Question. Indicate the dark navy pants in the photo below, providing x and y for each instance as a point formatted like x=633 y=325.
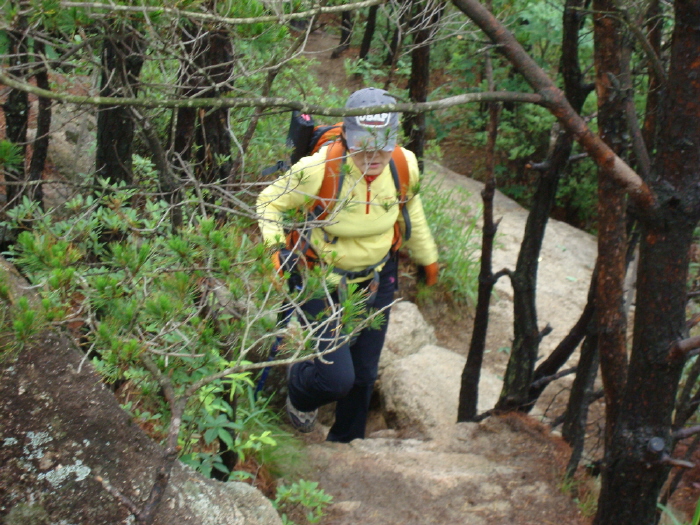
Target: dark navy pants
x=350 y=372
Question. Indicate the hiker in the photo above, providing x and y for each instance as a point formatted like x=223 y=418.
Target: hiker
x=359 y=241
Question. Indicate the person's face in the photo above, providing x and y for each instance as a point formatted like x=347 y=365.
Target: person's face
x=370 y=162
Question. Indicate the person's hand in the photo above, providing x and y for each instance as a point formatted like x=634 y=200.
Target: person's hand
x=430 y=273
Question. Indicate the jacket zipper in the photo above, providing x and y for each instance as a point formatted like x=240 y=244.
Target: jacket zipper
x=369 y=182
x=369 y=179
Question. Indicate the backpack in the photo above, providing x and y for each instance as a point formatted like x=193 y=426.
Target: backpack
x=305 y=138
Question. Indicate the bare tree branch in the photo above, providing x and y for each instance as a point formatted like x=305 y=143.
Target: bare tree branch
x=208 y=17
x=116 y=494
x=656 y=65
x=272 y=102
x=685 y=433
x=548 y=379
x=681 y=349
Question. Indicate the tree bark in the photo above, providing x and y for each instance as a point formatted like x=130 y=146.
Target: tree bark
x=565 y=349
x=122 y=59
x=654 y=31
x=419 y=81
x=612 y=231
x=16 y=107
x=394 y=47
x=369 y=32
x=634 y=477
x=523 y=355
x=40 y=147
x=205 y=130
x=345 y=34
x=396 y=43
x=576 y=415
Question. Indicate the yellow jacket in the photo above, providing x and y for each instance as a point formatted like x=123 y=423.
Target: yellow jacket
x=359 y=230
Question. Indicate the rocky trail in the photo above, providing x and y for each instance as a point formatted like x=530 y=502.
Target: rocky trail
x=426 y=469
x=417 y=466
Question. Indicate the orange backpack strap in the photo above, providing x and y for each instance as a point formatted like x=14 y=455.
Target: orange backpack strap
x=401 y=175
x=332 y=181
x=324 y=135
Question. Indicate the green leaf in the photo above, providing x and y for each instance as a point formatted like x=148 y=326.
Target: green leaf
x=210 y=435
x=226 y=437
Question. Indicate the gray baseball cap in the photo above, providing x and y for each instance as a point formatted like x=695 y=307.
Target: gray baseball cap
x=371 y=132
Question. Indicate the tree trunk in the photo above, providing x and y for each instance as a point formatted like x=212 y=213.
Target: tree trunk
x=654 y=30
x=565 y=349
x=469 y=389
x=576 y=415
x=122 y=59
x=369 y=32
x=205 y=130
x=634 y=476
x=43 y=127
x=612 y=232
x=345 y=34
x=521 y=365
x=418 y=83
x=16 y=107
x=394 y=47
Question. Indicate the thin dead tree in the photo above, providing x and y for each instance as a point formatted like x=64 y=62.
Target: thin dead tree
x=469 y=390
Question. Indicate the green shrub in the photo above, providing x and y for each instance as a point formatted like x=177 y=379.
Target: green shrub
x=458 y=237
x=302 y=498
x=197 y=302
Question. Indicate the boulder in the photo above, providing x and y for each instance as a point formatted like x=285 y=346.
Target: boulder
x=407 y=333
x=61 y=430
x=73 y=136
x=422 y=390
x=564 y=269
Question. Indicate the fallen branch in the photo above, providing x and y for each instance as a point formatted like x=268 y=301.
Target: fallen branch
x=116 y=494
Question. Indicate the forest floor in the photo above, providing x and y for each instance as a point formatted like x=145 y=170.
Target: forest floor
x=505 y=470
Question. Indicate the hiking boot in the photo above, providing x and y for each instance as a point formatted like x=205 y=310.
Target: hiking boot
x=302 y=421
